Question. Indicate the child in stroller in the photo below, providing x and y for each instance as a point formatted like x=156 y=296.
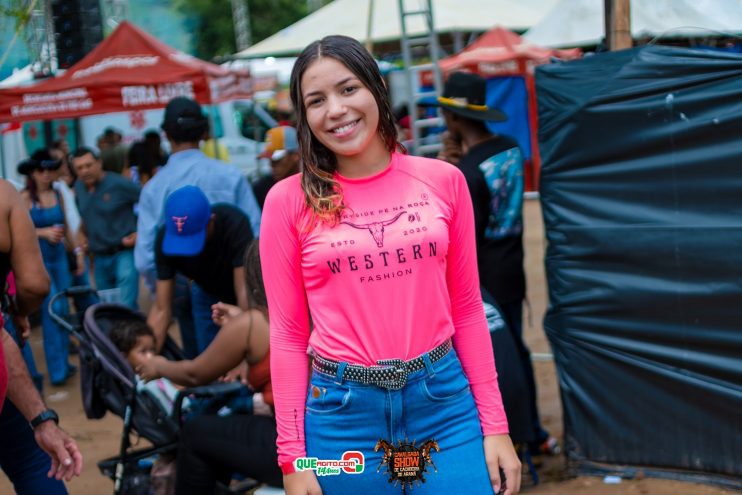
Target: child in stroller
x=214 y=447
x=136 y=342
x=108 y=383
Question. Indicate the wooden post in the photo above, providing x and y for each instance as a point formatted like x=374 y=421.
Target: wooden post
x=618 y=24
x=370 y=27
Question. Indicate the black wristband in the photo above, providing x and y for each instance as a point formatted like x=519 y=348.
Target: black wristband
x=47 y=415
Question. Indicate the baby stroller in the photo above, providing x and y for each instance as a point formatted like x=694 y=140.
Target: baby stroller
x=109 y=384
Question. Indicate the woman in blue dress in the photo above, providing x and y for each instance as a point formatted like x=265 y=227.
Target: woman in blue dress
x=47 y=212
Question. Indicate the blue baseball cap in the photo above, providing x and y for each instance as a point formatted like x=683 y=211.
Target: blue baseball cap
x=187 y=215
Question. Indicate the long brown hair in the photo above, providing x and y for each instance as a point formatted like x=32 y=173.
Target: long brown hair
x=32 y=188
x=254 y=277
x=318 y=164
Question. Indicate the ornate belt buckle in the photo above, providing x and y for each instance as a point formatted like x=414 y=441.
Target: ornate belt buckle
x=400 y=374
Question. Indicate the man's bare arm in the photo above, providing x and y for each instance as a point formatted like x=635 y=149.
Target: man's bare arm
x=65 y=455
x=32 y=281
x=161 y=311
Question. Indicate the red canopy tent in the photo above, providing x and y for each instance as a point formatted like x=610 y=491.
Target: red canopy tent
x=129 y=70
x=502 y=53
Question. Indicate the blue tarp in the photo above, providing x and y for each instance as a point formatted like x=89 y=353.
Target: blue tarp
x=510 y=95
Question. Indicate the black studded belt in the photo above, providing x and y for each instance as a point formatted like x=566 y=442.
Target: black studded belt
x=390 y=374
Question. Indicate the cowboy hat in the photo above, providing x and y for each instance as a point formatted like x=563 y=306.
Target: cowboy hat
x=40 y=159
x=465 y=94
x=27 y=166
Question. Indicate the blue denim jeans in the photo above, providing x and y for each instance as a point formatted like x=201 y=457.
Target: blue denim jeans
x=118 y=271
x=84 y=301
x=183 y=312
x=38 y=378
x=56 y=339
x=435 y=404
x=206 y=329
x=21 y=459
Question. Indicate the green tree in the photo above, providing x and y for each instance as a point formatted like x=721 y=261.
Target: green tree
x=214 y=30
x=17 y=11
x=210 y=22
x=14 y=17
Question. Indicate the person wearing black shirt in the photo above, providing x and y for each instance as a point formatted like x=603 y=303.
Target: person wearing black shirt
x=205 y=243
x=493 y=167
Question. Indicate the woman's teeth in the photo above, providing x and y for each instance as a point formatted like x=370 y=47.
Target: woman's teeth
x=345 y=128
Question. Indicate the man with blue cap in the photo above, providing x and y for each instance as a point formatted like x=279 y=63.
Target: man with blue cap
x=185 y=125
x=205 y=243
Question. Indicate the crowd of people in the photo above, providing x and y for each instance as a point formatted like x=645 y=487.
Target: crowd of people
x=375 y=265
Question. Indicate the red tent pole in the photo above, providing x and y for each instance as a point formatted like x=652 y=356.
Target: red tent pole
x=533 y=184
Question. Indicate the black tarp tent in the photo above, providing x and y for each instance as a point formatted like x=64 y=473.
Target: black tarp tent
x=641 y=190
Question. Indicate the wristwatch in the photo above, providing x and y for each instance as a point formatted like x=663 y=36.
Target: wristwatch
x=47 y=415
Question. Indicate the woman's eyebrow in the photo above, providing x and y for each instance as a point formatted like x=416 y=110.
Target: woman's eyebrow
x=312 y=93
x=339 y=83
x=345 y=81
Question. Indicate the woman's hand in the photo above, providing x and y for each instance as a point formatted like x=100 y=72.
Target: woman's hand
x=452 y=148
x=149 y=370
x=22 y=328
x=301 y=483
x=237 y=374
x=129 y=240
x=53 y=234
x=79 y=261
x=500 y=454
x=221 y=313
x=259 y=407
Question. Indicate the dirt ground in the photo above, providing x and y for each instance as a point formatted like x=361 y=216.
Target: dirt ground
x=99 y=439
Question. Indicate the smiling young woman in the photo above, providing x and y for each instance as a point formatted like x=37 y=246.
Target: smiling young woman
x=378 y=248
x=343 y=115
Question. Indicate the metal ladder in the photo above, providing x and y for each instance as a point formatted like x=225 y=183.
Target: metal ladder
x=430 y=41
x=39 y=34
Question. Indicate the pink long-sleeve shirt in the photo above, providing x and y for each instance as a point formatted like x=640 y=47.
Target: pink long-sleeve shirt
x=394 y=279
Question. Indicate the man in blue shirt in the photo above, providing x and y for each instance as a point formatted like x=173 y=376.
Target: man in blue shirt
x=185 y=126
x=106 y=202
